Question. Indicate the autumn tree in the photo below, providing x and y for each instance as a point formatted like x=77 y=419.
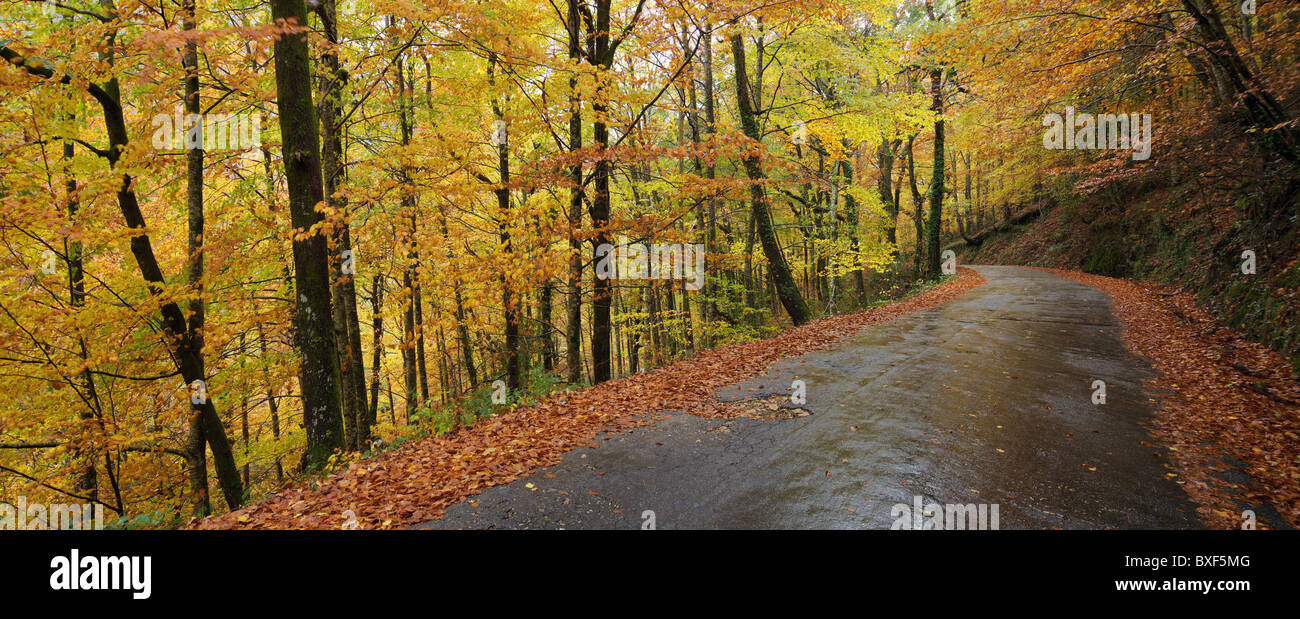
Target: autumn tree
x=313 y=319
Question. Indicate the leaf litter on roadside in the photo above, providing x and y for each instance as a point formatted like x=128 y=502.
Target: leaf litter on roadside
x=419 y=480
x=1223 y=395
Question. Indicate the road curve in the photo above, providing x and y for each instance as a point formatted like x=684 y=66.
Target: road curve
x=987 y=399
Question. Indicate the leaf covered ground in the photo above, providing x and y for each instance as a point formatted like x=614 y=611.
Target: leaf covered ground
x=1221 y=395
x=419 y=480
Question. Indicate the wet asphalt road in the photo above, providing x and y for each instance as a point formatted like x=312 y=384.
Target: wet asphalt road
x=984 y=400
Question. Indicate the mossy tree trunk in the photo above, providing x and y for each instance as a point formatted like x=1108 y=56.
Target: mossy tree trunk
x=786 y=289
x=313 y=315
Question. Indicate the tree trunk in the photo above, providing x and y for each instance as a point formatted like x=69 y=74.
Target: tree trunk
x=332 y=82
x=509 y=303
x=855 y=242
x=271 y=404
x=87 y=482
x=601 y=295
x=573 y=306
x=935 y=221
x=462 y=328
x=708 y=309
x=377 y=346
x=313 y=320
x=545 y=303
x=412 y=350
x=410 y=372
x=194 y=264
x=885 y=160
x=786 y=289
x=918 y=206
x=419 y=335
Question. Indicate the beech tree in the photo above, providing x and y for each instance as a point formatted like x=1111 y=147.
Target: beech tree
x=313 y=315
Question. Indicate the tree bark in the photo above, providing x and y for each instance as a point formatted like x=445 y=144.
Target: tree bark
x=377 y=346
x=573 y=307
x=509 y=303
x=855 y=241
x=87 y=482
x=918 y=209
x=313 y=316
x=791 y=299
x=885 y=160
x=462 y=328
x=271 y=405
x=600 y=202
x=195 y=442
x=332 y=82
x=708 y=309
x=935 y=220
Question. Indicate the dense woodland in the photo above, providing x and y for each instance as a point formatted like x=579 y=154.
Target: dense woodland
x=409 y=200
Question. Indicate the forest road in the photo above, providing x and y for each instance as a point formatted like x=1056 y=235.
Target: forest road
x=987 y=399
